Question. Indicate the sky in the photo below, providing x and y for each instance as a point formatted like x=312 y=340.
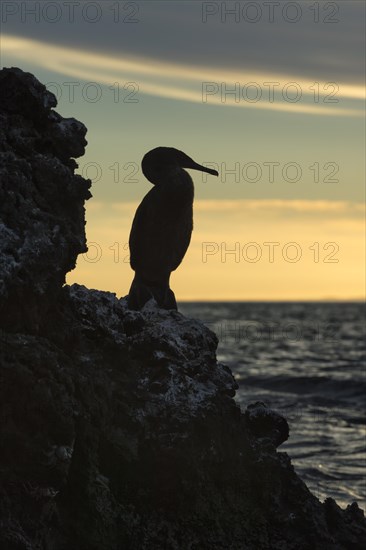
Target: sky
x=269 y=93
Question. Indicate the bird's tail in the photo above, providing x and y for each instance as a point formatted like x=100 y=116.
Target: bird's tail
x=142 y=291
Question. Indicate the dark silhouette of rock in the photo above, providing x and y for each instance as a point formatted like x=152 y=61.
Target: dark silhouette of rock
x=266 y=424
x=118 y=428
x=42 y=212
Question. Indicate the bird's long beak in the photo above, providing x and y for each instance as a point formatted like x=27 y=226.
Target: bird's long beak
x=195 y=166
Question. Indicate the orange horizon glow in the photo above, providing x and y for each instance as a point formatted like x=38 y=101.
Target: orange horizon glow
x=219 y=264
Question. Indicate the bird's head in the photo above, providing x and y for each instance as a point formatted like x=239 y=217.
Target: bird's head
x=157 y=162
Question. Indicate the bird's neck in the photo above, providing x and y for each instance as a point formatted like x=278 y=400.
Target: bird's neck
x=177 y=184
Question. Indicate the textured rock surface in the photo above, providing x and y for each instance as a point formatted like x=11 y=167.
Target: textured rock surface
x=119 y=429
x=42 y=212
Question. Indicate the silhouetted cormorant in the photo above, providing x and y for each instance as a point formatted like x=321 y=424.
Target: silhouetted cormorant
x=162 y=226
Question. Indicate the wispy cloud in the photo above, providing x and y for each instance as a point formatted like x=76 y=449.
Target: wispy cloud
x=275 y=205
x=344 y=209
x=175 y=81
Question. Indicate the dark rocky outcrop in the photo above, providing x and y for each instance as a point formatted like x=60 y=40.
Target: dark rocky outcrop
x=119 y=429
x=42 y=200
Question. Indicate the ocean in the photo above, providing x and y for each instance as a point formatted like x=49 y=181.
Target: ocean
x=307 y=361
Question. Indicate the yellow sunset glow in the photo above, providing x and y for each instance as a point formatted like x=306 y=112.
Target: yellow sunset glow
x=241 y=250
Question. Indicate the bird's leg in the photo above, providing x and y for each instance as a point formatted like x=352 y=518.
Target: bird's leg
x=138 y=295
x=142 y=291
x=169 y=300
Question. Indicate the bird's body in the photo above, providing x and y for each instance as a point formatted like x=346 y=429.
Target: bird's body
x=162 y=226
